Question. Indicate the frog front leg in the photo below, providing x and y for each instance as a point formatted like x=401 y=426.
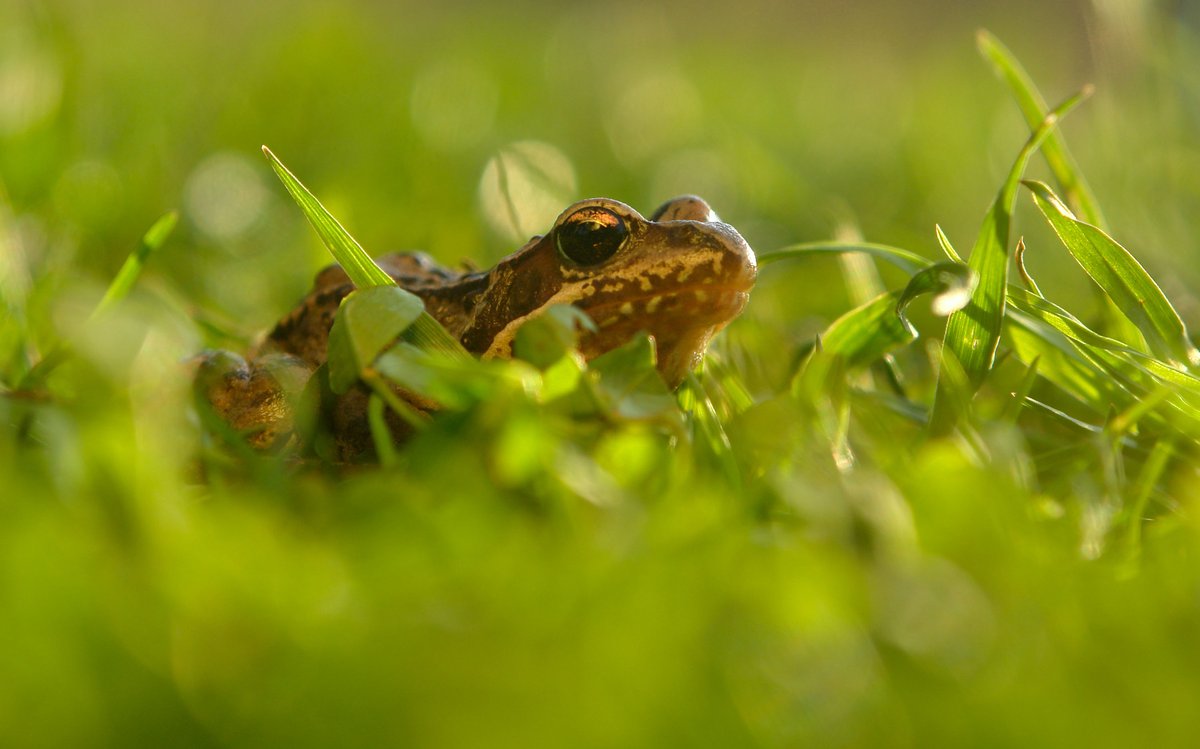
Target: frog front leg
x=256 y=398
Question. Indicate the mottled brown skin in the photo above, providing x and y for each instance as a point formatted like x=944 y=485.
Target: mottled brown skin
x=680 y=276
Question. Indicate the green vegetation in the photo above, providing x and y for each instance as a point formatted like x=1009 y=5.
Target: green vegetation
x=866 y=520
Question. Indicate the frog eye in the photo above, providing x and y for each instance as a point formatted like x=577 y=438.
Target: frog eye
x=591 y=235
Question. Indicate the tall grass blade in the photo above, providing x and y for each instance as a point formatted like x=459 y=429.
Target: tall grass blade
x=1121 y=277
x=426 y=332
x=973 y=333
x=1033 y=107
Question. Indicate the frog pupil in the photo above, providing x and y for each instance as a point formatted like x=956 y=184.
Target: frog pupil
x=591 y=236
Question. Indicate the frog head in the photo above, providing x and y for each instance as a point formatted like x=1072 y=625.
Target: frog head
x=679 y=276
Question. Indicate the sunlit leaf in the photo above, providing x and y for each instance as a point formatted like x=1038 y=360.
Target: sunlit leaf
x=629 y=386
x=1033 y=108
x=548 y=337
x=973 y=332
x=1121 y=277
x=368 y=321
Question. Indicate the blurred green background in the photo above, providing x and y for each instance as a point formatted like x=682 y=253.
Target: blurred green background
x=625 y=596
x=793 y=119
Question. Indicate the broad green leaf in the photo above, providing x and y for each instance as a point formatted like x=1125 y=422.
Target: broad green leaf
x=453 y=383
x=1121 y=277
x=368 y=321
x=627 y=384
x=548 y=337
x=973 y=332
x=425 y=332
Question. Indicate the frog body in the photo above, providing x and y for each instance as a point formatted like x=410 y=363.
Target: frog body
x=680 y=276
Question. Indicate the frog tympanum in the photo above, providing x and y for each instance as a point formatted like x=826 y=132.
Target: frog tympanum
x=679 y=276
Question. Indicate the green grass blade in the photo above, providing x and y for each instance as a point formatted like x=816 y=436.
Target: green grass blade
x=345 y=249
x=426 y=333
x=152 y=240
x=1121 y=277
x=1033 y=108
x=950 y=283
x=973 y=333
x=121 y=285
x=1066 y=172
x=865 y=333
x=944 y=243
x=906 y=260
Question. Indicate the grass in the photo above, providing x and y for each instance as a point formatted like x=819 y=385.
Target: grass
x=897 y=530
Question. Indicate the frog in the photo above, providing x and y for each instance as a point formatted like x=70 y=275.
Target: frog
x=679 y=276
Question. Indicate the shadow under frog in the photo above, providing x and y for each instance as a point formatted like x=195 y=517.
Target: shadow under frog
x=680 y=276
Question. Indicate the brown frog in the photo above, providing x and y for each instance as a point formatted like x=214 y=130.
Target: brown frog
x=680 y=276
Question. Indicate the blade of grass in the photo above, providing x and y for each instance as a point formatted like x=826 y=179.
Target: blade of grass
x=1121 y=277
x=118 y=289
x=950 y=283
x=345 y=249
x=944 y=243
x=1062 y=165
x=1033 y=107
x=426 y=332
x=905 y=260
x=973 y=332
x=152 y=240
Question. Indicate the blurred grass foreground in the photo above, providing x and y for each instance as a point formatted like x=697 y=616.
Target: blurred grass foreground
x=891 y=538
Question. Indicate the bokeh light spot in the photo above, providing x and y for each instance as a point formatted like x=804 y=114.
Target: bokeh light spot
x=524 y=187
x=30 y=82
x=225 y=196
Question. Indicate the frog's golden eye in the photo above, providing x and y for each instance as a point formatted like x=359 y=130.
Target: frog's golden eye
x=591 y=235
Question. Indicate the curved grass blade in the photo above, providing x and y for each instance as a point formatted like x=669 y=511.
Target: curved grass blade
x=153 y=239
x=865 y=333
x=1121 y=277
x=426 y=332
x=906 y=260
x=944 y=243
x=950 y=283
x=1033 y=108
x=973 y=332
x=121 y=285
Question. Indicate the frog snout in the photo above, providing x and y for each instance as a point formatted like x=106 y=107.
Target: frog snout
x=738 y=266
